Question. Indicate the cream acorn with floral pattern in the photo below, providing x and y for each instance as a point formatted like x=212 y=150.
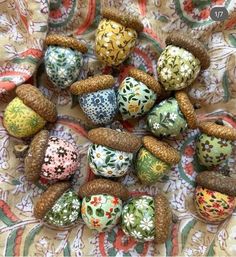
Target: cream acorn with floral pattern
x=102 y=203
x=215 y=143
x=181 y=61
x=172 y=116
x=111 y=152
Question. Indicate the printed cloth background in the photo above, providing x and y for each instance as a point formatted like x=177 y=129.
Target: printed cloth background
x=23 y=27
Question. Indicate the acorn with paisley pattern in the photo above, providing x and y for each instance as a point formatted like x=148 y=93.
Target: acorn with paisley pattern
x=116 y=36
x=181 y=61
x=215 y=196
x=63 y=59
x=154 y=160
x=215 y=143
x=147 y=218
x=59 y=206
x=102 y=203
x=111 y=152
x=172 y=116
x=28 y=112
x=97 y=98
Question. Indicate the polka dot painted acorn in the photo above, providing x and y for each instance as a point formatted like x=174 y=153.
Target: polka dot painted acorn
x=28 y=112
x=63 y=59
x=137 y=94
x=214 y=196
x=147 y=218
x=154 y=159
x=215 y=143
x=97 y=98
x=172 y=116
x=181 y=61
x=111 y=152
x=59 y=206
x=116 y=36
x=102 y=203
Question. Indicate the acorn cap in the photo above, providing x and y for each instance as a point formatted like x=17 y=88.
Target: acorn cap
x=49 y=198
x=104 y=186
x=186 y=108
x=217 y=182
x=148 y=80
x=161 y=150
x=68 y=42
x=92 y=84
x=216 y=130
x=163 y=218
x=125 y=19
x=35 y=156
x=122 y=141
x=34 y=99
x=190 y=44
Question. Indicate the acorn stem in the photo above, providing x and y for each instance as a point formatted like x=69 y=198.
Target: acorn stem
x=20 y=150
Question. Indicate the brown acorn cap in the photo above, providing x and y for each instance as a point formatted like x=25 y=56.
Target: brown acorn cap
x=148 y=80
x=104 y=186
x=35 y=156
x=49 y=198
x=190 y=44
x=161 y=150
x=186 y=108
x=34 y=99
x=163 y=218
x=68 y=42
x=125 y=19
x=122 y=141
x=92 y=84
x=216 y=130
x=217 y=182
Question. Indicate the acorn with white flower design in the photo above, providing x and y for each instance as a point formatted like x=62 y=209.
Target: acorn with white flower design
x=181 y=61
x=147 y=218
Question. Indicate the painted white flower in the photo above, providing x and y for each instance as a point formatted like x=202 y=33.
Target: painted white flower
x=149 y=238
x=166 y=73
x=57 y=207
x=73 y=216
x=71 y=60
x=173 y=50
x=156 y=125
x=187 y=56
x=62 y=72
x=53 y=57
x=76 y=203
x=160 y=61
x=141 y=204
x=146 y=223
x=173 y=116
x=98 y=154
x=136 y=234
x=185 y=70
x=129 y=219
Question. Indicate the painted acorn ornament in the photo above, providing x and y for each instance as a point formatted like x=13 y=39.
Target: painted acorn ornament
x=63 y=59
x=51 y=158
x=116 y=36
x=215 y=143
x=59 y=206
x=181 y=61
x=137 y=94
x=154 y=160
x=28 y=112
x=214 y=196
x=111 y=152
x=147 y=218
x=102 y=203
x=172 y=116
x=97 y=98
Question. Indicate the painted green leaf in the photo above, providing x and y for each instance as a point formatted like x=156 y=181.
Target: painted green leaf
x=185 y=232
x=100 y=212
x=89 y=210
x=30 y=239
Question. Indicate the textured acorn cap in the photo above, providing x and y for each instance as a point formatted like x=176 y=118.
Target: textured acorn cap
x=217 y=182
x=125 y=19
x=190 y=44
x=35 y=156
x=161 y=150
x=103 y=186
x=122 y=141
x=186 y=108
x=92 y=84
x=148 y=80
x=216 y=130
x=68 y=42
x=49 y=198
x=163 y=218
x=34 y=99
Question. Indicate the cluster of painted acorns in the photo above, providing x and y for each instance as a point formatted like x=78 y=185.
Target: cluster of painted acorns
x=103 y=203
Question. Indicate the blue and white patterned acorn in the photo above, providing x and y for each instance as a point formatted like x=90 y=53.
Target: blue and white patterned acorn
x=97 y=98
x=63 y=59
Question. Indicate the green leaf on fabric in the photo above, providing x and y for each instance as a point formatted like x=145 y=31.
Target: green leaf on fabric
x=185 y=232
